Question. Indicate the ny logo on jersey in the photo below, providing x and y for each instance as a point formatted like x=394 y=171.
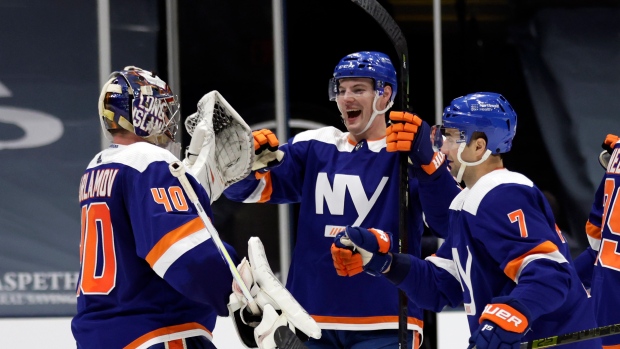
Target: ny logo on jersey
x=465 y=278
x=335 y=196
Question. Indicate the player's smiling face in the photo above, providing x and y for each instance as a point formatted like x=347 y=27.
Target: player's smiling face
x=355 y=98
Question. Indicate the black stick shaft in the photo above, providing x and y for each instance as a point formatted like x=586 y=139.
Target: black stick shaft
x=389 y=26
x=572 y=337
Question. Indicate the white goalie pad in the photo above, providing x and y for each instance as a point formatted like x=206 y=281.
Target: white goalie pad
x=221 y=151
x=274 y=293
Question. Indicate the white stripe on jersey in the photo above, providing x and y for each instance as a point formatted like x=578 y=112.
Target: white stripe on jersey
x=137 y=155
x=332 y=135
x=175 y=336
x=445 y=264
x=469 y=198
x=178 y=249
x=556 y=256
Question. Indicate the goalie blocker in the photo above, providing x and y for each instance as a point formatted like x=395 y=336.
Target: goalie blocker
x=279 y=308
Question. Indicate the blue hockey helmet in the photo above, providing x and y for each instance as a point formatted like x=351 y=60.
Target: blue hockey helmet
x=365 y=64
x=486 y=112
x=139 y=101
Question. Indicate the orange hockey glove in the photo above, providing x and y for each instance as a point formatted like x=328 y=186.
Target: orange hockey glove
x=608 y=145
x=409 y=133
x=346 y=262
x=369 y=251
x=266 y=150
x=401 y=133
x=502 y=325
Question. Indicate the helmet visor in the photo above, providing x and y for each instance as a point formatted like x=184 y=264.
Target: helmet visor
x=446 y=138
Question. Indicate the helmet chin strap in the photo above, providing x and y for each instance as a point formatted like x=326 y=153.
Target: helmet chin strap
x=375 y=112
x=459 y=176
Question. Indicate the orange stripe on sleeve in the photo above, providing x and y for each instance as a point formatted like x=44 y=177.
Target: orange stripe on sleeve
x=593 y=231
x=176 y=344
x=513 y=267
x=172 y=237
x=266 y=194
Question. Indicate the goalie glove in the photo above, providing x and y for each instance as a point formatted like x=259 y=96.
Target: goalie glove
x=408 y=133
x=266 y=150
x=608 y=146
x=267 y=291
x=369 y=247
x=220 y=152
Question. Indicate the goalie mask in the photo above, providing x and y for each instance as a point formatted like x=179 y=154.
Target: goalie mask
x=139 y=101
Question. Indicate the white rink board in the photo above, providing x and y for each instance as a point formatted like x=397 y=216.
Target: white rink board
x=55 y=333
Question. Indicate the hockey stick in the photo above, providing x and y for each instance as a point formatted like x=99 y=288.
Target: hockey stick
x=389 y=26
x=178 y=170
x=572 y=337
x=287 y=339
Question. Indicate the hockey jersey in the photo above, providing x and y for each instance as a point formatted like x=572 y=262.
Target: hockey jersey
x=603 y=229
x=338 y=183
x=150 y=271
x=503 y=242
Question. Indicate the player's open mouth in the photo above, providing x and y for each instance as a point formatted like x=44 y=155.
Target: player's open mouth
x=351 y=114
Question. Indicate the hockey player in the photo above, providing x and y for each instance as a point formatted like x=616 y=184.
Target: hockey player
x=599 y=265
x=350 y=178
x=503 y=258
x=151 y=275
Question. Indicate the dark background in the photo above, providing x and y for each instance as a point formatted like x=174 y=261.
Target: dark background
x=228 y=46
x=555 y=61
x=481 y=44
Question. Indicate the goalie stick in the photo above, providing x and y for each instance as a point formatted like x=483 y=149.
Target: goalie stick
x=389 y=26
x=572 y=337
x=178 y=170
x=287 y=339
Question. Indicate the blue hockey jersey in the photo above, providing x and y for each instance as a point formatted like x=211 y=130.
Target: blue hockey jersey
x=339 y=183
x=150 y=271
x=603 y=229
x=503 y=242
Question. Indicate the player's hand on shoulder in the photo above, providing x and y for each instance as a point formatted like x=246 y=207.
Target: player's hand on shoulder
x=502 y=325
x=357 y=248
x=408 y=133
x=268 y=155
